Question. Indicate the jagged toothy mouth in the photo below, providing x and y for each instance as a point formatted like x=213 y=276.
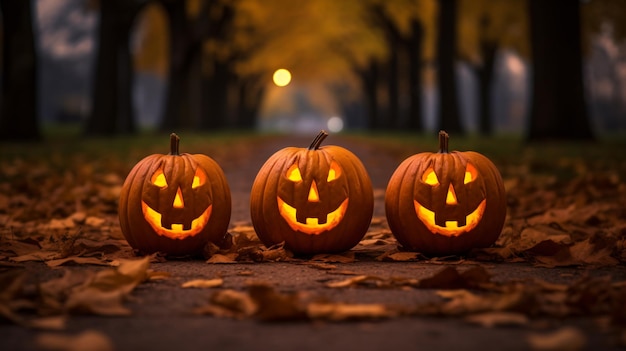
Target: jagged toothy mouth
x=176 y=231
x=312 y=225
x=451 y=228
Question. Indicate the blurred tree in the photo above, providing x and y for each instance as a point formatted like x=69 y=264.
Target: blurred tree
x=449 y=116
x=604 y=30
x=197 y=81
x=486 y=27
x=18 y=116
x=558 y=107
x=112 y=109
x=405 y=24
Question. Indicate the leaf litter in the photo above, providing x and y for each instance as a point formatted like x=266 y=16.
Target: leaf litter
x=68 y=220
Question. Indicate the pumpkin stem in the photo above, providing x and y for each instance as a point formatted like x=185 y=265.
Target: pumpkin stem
x=174 y=141
x=443 y=142
x=318 y=140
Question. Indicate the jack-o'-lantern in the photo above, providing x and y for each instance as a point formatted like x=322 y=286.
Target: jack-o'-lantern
x=446 y=202
x=316 y=200
x=175 y=203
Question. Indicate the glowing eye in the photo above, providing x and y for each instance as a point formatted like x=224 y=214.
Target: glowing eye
x=293 y=173
x=470 y=173
x=158 y=179
x=198 y=179
x=429 y=177
x=334 y=172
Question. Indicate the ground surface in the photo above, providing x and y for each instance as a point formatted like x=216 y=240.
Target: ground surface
x=367 y=302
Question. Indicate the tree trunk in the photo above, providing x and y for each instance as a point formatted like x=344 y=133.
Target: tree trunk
x=369 y=83
x=449 y=116
x=18 y=116
x=177 y=114
x=558 y=110
x=250 y=98
x=391 y=122
x=112 y=109
x=485 y=81
x=215 y=88
x=414 y=47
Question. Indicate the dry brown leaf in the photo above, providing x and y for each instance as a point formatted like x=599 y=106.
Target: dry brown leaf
x=345 y=311
x=350 y=281
x=203 y=283
x=237 y=303
x=275 y=306
x=219 y=258
x=497 y=319
x=105 y=292
x=563 y=339
x=39 y=255
x=450 y=278
x=322 y=266
x=400 y=256
x=89 y=340
x=77 y=260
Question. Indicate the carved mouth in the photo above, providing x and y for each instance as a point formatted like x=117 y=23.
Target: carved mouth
x=451 y=228
x=177 y=231
x=312 y=225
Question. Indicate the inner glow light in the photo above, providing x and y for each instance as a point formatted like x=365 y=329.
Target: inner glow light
x=451 y=197
x=177 y=231
x=334 y=172
x=281 y=77
x=178 y=199
x=158 y=179
x=451 y=227
x=470 y=173
x=429 y=177
x=312 y=225
x=293 y=173
x=313 y=194
x=198 y=179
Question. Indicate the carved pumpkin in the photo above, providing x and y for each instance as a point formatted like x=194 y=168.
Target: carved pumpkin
x=316 y=200
x=447 y=202
x=175 y=203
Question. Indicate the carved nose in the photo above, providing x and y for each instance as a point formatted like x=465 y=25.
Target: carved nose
x=313 y=194
x=451 y=197
x=178 y=199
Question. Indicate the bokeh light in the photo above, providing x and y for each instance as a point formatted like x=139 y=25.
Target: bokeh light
x=282 y=77
x=335 y=124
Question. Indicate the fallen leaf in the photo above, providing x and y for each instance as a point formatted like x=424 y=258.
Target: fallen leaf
x=203 y=283
x=451 y=278
x=497 y=319
x=89 y=340
x=344 y=311
x=105 y=292
x=77 y=260
x=563 y=339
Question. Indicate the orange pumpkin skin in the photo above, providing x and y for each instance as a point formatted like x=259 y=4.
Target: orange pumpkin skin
x=316 y=200
x=445 y=203
x=174 y=204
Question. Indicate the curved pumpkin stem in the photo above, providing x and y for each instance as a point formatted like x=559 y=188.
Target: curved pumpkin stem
x=174 y=142
x=318 y=140
x=443 y=142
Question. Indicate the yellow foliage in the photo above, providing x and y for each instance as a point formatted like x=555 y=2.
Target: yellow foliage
x=152 y=40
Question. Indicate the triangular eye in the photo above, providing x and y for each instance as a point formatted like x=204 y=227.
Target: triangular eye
x=429 y=177
x=334 y=172
x=198 y=179
x=293 y=173
x=470 y=173
x=158 y=178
